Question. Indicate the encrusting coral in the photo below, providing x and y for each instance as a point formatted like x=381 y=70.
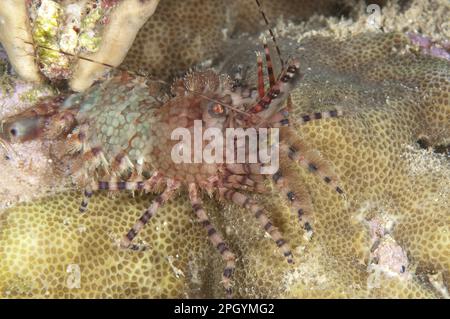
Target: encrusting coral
x=389 y=238
x=34 y=32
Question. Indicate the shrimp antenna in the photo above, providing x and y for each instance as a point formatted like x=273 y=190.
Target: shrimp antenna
x=94 y=61
x=272 y=34
x=4 y=145
x=7 y=147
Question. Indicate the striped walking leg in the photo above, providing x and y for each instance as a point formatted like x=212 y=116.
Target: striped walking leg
x=259 y=213
x=259 y=63
x=281 y=118
x=148 y=186
x=299 y=200
x=294 y=148
x=215 y=238
x=113 y=186
x=269 y=64
x=171 y=187
x=87 y=194
x=280 y=90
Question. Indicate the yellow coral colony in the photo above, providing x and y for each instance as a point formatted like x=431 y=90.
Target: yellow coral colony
x=388 y=238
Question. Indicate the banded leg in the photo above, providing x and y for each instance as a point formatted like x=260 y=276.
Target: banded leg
x=270 y=31
x=260 y=75
x=160 y=200
x=119 y=186
x=319 y=116
x=269 y=63
x=280 y=89
x=215 y=238
x=248 y=203
x=91 y=159
x=299 y=200
x=113 y=186
x=281 y=118
x=87 y=194
x=297 y=151
x=147 y=186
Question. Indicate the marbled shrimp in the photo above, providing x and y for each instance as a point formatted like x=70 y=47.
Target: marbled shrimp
x=117 y=136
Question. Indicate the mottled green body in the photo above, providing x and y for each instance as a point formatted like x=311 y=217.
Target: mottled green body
x=124 y=125
x=119 y=116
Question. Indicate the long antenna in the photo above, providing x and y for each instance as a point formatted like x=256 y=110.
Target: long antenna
x=94 y=61
x=272 y=34
x=4 y=145
x=10 y=152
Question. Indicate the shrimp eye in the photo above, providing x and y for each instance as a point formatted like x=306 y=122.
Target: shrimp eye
x=216 y=109
x=13 y=132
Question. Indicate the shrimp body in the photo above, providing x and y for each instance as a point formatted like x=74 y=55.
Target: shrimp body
x=122 y=133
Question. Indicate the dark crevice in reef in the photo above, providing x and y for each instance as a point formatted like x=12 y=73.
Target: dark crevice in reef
x=442 y=149
x=403 y=4
x=341 y=10
x=439 y=148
